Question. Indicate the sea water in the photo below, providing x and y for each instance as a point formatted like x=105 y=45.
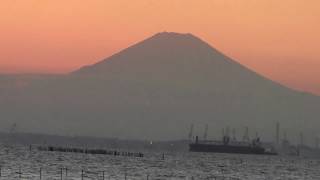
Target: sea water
x=19 y=162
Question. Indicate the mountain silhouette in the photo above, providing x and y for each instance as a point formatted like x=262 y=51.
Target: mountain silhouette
x=154 y=90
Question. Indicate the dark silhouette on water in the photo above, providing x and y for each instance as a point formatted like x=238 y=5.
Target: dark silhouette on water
x=90 y=151
x=227 y=146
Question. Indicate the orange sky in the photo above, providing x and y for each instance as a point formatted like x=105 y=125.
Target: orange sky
x=277 y=38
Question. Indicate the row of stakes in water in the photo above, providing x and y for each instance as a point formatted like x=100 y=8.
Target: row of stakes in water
x=90 y=151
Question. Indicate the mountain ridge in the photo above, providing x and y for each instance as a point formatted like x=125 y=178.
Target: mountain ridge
x=163 y=38
x=166 y=35
x=154 y=90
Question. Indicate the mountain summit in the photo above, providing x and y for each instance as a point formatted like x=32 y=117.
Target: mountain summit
x=161 y=49
x=184 y=57
x=154 y=90
x=168 y=50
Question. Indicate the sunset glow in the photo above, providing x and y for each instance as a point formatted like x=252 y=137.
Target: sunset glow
x=278 y=39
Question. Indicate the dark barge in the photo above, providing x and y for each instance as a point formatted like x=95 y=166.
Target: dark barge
x=225 y=146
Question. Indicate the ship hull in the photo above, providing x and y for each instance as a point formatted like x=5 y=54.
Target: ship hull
x=228 y=149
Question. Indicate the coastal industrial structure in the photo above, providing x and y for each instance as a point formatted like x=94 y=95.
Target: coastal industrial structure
x=230 y=144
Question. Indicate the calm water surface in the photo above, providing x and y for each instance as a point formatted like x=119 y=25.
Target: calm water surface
x=184 y=165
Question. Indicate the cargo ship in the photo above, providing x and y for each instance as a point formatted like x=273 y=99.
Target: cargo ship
x=227 y=146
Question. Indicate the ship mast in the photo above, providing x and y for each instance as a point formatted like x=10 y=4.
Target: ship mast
x=228 y=131
x=205 y=135
x=301 y=139
x=285 y=136
x=246 y=134
x=234 y=138
x=191 y=132
x=277 y=133
x=223 y=133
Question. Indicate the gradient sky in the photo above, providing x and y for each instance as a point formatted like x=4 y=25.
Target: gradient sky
x=277 y=38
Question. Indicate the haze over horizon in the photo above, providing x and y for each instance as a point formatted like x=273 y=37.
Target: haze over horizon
x=278 y=39
x=155 y=89
x=160 y=89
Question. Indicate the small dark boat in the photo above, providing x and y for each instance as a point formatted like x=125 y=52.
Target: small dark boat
x=225 y=146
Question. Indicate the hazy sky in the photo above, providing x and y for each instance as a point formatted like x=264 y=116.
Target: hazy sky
x=277 y=38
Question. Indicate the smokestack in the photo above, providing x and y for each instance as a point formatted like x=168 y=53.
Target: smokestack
x=277 y=133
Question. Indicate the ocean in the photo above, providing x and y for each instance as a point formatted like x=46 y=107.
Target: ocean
x=18 y=162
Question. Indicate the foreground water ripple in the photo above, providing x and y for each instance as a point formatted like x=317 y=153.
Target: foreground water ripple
x=18 y=162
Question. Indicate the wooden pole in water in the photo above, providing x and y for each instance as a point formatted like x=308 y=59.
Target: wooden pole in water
x=102 y=175
x=66 y=172
x=40 y=174
x=82 y=174
x=61 y=173
x=20 y=173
